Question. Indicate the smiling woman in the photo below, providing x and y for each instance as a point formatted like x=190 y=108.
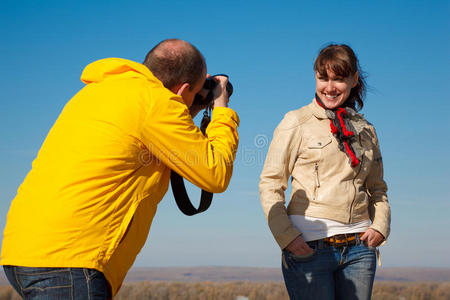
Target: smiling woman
x=338 y=212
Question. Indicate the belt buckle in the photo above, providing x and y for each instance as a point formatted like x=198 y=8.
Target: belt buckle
x=342 y=238
x=336 y=238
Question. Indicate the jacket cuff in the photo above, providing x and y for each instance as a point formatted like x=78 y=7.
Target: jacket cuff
x=384 y=230
x=227 y=112
x=287 y=237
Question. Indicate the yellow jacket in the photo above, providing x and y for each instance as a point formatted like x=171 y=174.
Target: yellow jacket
x=93 y=189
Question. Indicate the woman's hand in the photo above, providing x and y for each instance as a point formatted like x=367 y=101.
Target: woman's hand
x=299 y=247
x=372 y=237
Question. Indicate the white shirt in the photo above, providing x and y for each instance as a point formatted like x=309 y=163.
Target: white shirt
x=318 y=228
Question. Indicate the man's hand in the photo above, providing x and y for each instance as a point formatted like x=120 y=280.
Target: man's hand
x=372 y=237
x=222 y=98
x=299 y=247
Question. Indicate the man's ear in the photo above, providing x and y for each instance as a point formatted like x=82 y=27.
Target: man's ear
x=181 y=89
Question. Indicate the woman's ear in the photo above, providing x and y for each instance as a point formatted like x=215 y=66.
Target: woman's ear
x=355 y=79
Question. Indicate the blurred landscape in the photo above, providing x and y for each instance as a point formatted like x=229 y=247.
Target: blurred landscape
x=259 y=283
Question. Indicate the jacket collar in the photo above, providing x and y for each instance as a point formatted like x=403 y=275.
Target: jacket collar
x=317 y=111
x=116 y=67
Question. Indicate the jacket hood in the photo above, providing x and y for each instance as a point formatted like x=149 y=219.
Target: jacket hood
x=115 y=67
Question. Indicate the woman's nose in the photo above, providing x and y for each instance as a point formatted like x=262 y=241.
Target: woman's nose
x=330 y=86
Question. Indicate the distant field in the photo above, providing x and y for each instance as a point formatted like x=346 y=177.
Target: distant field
x=255 y=291
x=271 y=274
x=259 y=283
x=196 y=274
x=269 y=291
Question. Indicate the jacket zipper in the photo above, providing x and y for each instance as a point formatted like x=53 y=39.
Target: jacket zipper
x=354 y=197
x=316 y=170
x=317 y=186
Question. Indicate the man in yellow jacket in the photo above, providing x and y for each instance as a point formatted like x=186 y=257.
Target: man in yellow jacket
x=84 y=210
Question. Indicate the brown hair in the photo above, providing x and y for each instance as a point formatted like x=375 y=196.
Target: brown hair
x=343 y=62
x=175 y=62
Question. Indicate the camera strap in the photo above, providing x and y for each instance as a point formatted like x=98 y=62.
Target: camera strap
x=182 y=198
x=179 y=189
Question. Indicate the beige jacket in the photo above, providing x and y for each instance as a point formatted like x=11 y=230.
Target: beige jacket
x=324 y=185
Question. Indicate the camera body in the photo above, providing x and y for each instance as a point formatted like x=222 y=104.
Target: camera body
x=209 y=85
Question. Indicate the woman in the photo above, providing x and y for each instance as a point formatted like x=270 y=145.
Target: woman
x=338 y=211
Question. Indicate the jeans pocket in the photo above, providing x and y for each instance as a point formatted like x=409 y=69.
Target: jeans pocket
x=48 y=283
x=92 y=273
x=301 y=258
x=371 y=248
x=98 y=284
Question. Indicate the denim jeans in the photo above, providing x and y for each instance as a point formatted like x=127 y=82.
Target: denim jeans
x=58 y=283
x=330 y=273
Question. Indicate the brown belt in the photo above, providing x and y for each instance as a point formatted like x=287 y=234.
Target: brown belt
x=340 y=240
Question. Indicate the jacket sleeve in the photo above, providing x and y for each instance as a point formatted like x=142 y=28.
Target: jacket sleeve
x=171 y=135
x=274 y=178
x=379 y=209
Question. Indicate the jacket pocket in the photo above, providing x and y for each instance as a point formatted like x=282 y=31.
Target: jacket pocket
x=314 y=148
x=318 y=142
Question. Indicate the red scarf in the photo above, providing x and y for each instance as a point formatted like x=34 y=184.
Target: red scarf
x=342 y=129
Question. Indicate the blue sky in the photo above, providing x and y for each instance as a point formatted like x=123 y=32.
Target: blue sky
x=268 y=49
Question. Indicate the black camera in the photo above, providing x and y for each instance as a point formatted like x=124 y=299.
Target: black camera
x=209 y=85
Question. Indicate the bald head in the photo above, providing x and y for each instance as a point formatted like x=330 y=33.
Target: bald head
x=175 y=62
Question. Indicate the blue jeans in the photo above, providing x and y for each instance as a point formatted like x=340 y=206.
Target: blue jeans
x=330 y=273
x=58 y=283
